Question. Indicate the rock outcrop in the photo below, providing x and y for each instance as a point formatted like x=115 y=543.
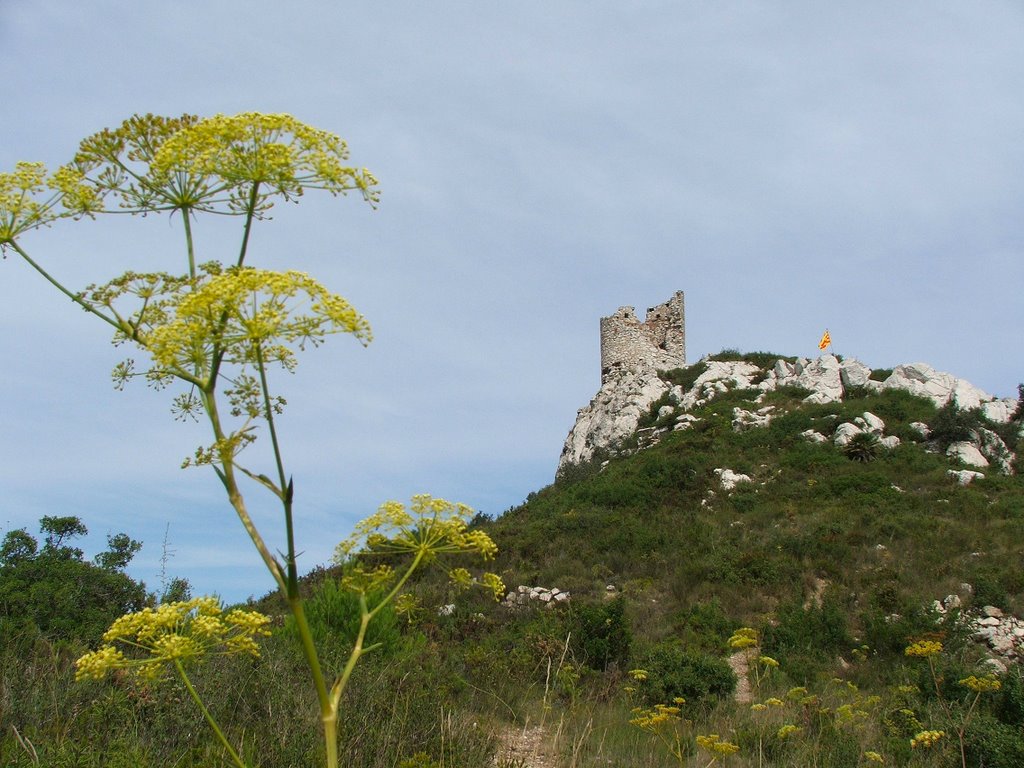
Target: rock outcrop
x=627 y=396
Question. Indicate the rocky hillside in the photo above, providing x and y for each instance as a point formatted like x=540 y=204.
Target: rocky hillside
x=618 y=416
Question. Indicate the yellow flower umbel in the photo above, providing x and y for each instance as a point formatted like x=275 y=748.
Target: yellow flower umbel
x=923 y=649
x=718 y=749
x=663 y=721
x=173 y=633
x=428 y=530
x=926 y=739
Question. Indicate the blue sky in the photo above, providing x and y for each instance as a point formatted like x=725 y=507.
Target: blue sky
x=790 y=166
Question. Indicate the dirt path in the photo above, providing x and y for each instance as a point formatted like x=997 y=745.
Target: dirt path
x=739 y=663
x=527 y=747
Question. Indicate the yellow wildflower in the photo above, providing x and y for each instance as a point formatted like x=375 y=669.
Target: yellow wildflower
x=429 y=528
x=926 y=739
x=787 y=730
x=173 y=633
x=924 y=649
x=745 y=637
x=982 y=684
x=714 y=744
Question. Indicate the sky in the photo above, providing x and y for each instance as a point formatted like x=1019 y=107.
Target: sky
x=791 y=166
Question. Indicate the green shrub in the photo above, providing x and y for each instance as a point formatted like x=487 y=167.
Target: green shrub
x=992 y=744
x=810 y=633
x=684 y=377
x=676 y=672
x=333 y=615
x=863 y=447
x=952 y=424
x=601 y=634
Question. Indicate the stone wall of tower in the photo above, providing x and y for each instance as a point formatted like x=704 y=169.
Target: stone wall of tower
x=658 y=343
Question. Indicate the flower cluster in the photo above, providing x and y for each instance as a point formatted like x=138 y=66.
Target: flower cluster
x=275 y=150
x=742 y=638
x=926 y=739
x=245 y=312
x=428 y=529
x=923 y=649
x=29 y=198
x=984 y=684
x=716 y=746
x=655 y=719
x=223 y=164
x=173 y=633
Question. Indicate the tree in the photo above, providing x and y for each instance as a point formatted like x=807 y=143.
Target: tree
x=57 y=592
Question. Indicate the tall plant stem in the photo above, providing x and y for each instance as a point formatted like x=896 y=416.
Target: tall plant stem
x=250 y=214
x=226 y=472
x=189 y=243
x=285 y=486
x=209 y=718
x=287 y=583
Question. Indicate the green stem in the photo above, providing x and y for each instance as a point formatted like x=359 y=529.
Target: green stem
x=284 y=485
x=250 y=213
x=189 y=243
x=227 y=476
x=206 y=713
x=74 y=297
x=288 y=585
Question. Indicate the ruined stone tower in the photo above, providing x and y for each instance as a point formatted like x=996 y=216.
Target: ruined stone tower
x=659 y=342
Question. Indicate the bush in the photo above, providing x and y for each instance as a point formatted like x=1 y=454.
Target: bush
x=953 y=425
x=811 y=632
x=992 y=744
x=601 y=634
x=333 y=615
x=674 y=672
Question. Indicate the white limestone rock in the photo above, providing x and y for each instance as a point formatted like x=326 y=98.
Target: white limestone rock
x=890 y=442
x=965 y=476
x=812 y=436
x=743 y=420
x=967 y=453
x=612 y=416
x=921 y=428
x=922 y=379
x=729 y=479
x=999 y=411
x=853 y=373
x=872 y=423
x=720 y=376
x=821 y=376
x=994 y=449
x=845 y=433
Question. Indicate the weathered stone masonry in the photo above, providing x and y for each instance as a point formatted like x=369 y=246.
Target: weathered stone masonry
x=658 y=343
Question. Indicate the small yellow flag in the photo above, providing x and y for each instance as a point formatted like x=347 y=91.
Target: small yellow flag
x=825 y=340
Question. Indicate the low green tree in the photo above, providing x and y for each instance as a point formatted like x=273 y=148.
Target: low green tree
x=54 y=590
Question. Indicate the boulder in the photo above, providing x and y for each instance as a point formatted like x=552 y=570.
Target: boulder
x=967 y=453
x=844 y=433
x=999 y=411
x=729 y=479
x=965 y=476
x=921 y=379
x=853 y=373
x=873 y=423
x=812 y=436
